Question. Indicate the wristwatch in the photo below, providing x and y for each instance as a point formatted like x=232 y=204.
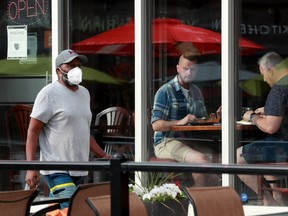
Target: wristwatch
x=252 y=116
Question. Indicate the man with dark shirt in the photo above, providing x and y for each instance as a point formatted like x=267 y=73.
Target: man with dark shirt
x=271 y=119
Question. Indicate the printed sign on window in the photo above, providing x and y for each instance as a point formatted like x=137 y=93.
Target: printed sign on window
x=17 y=42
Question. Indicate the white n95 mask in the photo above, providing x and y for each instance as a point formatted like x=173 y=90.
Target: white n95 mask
x=74 y=76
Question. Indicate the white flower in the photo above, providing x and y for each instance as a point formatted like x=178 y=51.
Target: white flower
x=137 y=189
x=146 y=196
x=158 y=193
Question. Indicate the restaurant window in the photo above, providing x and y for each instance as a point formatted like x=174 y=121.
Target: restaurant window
x=191 y=24
x=191 y=29
x=263 y=23
x=25 y=67
x=260 y=29
x=108 y=74
x=98 y=30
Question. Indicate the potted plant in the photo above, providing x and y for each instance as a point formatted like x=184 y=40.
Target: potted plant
x=161 y=197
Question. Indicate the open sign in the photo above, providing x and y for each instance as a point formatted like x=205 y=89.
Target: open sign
x=27 y=11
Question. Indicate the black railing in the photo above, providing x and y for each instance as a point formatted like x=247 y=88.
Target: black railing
x=120 y=169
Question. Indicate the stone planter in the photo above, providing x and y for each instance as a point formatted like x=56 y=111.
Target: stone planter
x=168 y=208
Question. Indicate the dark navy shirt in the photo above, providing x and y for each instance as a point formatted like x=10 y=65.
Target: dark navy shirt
x=277 y=105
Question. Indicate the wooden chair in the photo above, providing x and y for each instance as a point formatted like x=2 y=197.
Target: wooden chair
x=17 y=203
x=19 y=116
x=78 y=205
x=101 y=205
x=17 y=120
x=77 y=202
x=211 y=201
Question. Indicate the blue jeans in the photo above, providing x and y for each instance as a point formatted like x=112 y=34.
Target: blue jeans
x=62 y=185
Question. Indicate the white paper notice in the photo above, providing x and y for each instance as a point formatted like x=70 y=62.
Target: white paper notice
x=17 y=42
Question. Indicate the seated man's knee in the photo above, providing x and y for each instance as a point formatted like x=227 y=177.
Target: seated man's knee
x=239 y=157
x=200 y=158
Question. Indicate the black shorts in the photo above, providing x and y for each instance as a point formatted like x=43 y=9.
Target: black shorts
x=268 y=150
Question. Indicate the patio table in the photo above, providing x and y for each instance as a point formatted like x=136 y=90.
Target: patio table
x=209 y=127
x=211 y=137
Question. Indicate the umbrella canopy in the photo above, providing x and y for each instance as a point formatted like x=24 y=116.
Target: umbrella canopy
x=170 y=37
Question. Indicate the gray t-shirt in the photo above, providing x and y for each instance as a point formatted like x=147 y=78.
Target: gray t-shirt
x=66 y=132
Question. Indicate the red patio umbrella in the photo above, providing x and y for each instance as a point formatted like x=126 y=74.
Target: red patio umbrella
x=170 y=37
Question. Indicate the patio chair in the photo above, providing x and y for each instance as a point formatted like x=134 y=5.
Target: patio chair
x=211 y=201
x=21 y=115
x=17 y=120
x=115 y=122
x=77 y=202
x=78 y=205
x=114 y=116
x=17 y=203
x=101 y=205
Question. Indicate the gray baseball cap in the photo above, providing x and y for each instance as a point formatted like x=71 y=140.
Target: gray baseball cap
x=67 y=56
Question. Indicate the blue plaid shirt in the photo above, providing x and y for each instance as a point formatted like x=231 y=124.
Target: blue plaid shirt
x=171 y=103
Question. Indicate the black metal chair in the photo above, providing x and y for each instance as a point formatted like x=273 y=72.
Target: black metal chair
x=115 y=129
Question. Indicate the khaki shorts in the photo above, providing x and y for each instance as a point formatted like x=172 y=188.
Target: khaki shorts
x=172 y=149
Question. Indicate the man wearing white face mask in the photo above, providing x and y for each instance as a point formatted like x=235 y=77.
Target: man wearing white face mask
x=73 y=78
x=60 y=121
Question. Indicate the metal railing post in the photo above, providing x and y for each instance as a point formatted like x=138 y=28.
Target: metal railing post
x=119 y=187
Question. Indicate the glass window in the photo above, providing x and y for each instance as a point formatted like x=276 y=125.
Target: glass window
x=257 y=36
x=104 y=32
x=264 y=26
x=109 y=75
x=186 y=50
x=25 y=67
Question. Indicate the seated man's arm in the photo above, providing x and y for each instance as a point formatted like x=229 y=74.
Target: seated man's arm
x=267 y=123
x=162 y=125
